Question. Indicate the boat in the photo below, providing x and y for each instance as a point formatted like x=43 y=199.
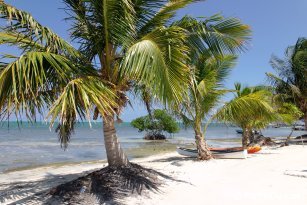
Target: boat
x=239 y=131
x=250 y=150
x=299 y=127
x=221 y=153
x=298 y=141
x=254 y=132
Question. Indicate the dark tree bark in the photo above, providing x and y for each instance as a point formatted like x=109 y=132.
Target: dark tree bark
x=115 y=154
x=245 y=138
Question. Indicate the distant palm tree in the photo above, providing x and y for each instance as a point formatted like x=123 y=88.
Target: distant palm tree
x=251 y=108
x=290 y=83
x=122 y=43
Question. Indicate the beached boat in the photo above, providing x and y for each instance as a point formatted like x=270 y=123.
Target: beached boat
x=241 y=132
x=218 y=153
x=298 y=141
x=250 y=150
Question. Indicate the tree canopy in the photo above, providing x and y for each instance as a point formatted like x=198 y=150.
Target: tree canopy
x=290 y=82
x=157 y=124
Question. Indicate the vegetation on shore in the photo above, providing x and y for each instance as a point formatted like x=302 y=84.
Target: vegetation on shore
x=290 y=83
x=254 y=108
x=156 y=124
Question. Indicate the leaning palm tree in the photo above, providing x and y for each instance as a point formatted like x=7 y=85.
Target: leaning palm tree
x=290 y=83
x=211 y=57
x=122 y=43
x=205 y=91
x=251 y=108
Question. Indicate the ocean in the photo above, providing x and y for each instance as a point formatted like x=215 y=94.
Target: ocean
x=34 y=145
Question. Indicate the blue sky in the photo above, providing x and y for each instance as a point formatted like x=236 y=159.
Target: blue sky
x=276 y=24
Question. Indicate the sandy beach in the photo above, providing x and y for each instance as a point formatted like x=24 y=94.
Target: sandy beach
x=274 y=176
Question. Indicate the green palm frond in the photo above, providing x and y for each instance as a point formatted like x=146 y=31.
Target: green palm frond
x=97 y=23
x=216 y=34
x=27 y=27
x=32 y=80
x=159 y=60
x=251 y=109
x=78 y=99
x=290 y=80
x=22 y=42
x=164 y=15
x=288 y=112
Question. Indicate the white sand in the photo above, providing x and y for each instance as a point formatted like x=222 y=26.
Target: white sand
x=274 y=176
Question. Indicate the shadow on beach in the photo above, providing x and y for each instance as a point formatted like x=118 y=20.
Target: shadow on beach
x=105 y=186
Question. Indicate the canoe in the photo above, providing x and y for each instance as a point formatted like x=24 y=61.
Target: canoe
x=250 y=150
x=222 y=153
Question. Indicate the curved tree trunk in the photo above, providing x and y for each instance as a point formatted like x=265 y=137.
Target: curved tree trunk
x=115 y=154
x=202 y=147
x=245 y=138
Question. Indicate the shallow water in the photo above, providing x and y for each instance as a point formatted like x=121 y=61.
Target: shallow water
x=37 y=145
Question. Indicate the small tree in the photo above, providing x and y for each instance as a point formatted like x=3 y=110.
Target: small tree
x=249 y=109
x=156 y=125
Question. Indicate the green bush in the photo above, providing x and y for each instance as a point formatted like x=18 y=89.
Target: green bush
x=161 y=122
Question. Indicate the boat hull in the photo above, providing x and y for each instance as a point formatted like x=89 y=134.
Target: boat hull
x=220 y=154
x=250 y=150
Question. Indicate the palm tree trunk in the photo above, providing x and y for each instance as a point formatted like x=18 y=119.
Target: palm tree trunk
x=115 y=154
x=148 y=108
x=245 y=138
x=202 y=147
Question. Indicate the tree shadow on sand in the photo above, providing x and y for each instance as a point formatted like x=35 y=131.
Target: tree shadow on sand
x=26 y=192
x=107 y=186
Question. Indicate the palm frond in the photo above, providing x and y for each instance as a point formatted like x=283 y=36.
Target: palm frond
x=216 y=34
x=22 y=42
x=32 y=81
x=159 y=60
x=246 y=109
x=26 y=26
x=165 y=14
x=78 y=99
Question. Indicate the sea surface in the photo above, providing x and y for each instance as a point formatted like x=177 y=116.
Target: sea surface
x=33 y=145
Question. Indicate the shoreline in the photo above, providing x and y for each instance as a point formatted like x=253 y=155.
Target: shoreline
x=271 y=175
x=134 y=153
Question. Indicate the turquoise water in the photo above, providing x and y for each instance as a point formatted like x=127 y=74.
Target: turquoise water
x=37 y=145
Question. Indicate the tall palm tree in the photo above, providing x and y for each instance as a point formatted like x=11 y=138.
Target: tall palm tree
x=251 y=108
x=122 y=42
x=211 y=57
x=291 y=80
x=205 y=91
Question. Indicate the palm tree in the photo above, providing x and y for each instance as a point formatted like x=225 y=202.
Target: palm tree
x=210 y=63
x=249 y=109
x=122 y=43
x=290 y=83
x=205 y=91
